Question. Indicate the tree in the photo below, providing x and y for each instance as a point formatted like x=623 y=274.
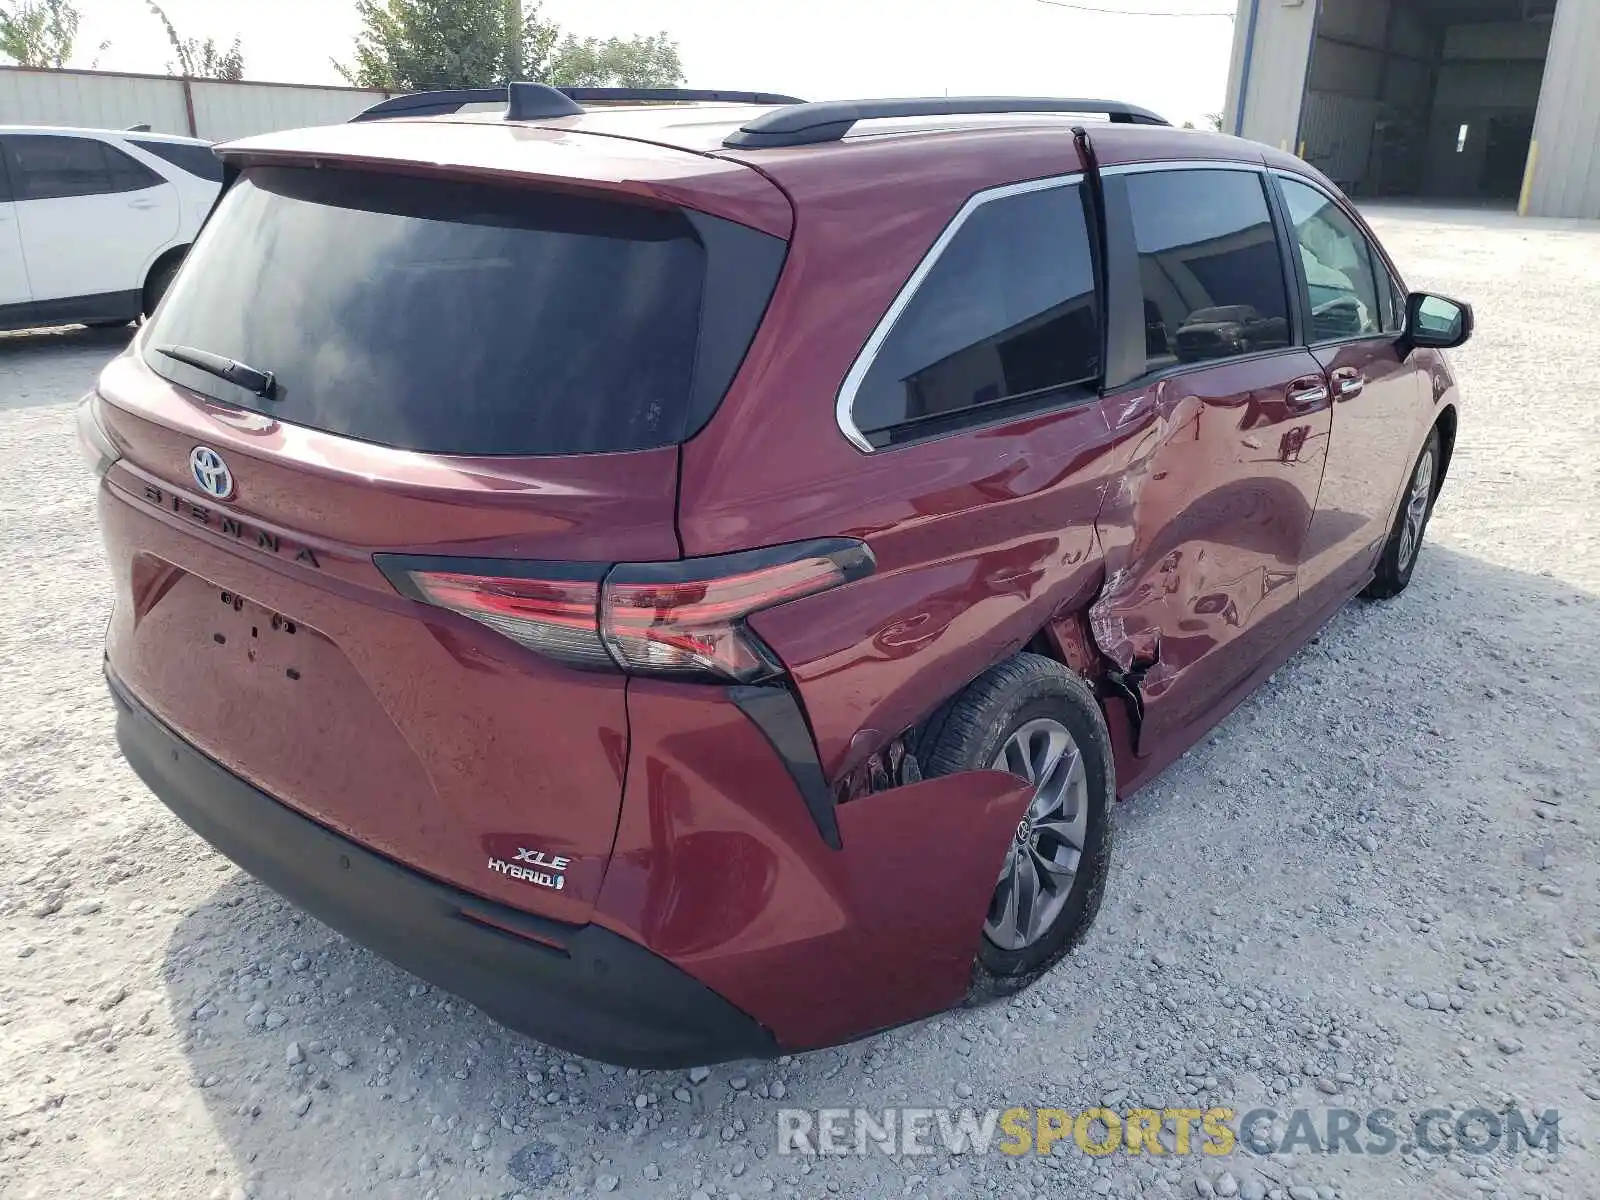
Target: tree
x=38 y=33
x=639 y=62
x=424 y=45
x=197 y=59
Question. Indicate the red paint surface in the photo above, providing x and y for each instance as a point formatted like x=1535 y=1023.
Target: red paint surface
x=719 y=868
x=410 y=729
x=543 y=155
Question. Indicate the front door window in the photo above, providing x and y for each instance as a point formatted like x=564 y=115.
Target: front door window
x=1340 y=273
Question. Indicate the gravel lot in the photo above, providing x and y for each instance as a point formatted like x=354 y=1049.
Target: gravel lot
x=1374 y=886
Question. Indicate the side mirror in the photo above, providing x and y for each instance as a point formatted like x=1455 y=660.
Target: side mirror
x=1436 y=322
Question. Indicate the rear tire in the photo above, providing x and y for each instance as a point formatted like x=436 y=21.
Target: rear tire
x=156 y=286
x=1031 y=715
x=1404 y=547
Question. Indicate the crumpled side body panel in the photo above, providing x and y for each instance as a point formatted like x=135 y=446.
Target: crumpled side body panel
x=1202 y=531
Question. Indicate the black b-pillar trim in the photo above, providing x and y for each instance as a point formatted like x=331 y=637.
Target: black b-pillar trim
x=777 y=714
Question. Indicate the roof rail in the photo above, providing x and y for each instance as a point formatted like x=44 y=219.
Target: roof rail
x=587 y=95
x=524 y=102
x=423 y=104
x=538 y=101
x=807 y=124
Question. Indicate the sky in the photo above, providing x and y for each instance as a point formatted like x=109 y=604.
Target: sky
x=818 y=50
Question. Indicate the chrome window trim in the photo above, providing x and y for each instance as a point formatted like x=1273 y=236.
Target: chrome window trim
x=844 y=405
x=1184 y=164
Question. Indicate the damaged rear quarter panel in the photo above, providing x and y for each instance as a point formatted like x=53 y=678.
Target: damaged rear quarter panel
x=719 y=868
x=994 y=542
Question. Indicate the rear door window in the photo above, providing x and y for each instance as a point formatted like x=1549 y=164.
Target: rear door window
x=461 y=318
x=1209 y=266
x=1006 y=314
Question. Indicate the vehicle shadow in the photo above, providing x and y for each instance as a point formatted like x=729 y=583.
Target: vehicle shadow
x=65 y=339
x=323 y=1066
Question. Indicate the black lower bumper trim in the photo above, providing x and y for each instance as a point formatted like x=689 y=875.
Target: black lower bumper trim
x=582 y=988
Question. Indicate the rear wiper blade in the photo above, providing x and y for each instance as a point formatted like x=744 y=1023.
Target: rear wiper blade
x=261 y=383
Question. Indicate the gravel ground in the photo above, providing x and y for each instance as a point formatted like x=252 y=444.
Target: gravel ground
x=1374 y=886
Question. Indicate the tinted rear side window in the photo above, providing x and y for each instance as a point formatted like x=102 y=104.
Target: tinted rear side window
x=127 y=174
x=1209 y=265
x=1007 y=313
x=186 y=156
x=451 y=317
x=53 y=168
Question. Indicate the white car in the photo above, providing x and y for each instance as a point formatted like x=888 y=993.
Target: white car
x=94 y=222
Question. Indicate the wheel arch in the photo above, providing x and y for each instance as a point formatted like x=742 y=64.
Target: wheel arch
x=1446 y=423
x=1064 y=639
x=169 y=257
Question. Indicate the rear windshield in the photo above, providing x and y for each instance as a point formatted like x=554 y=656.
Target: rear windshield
x=460 y=318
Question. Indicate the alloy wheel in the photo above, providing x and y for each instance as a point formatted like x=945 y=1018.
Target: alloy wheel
x=1042 y=860
x=1416 y=513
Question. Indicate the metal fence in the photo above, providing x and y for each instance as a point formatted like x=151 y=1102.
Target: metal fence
x=208 y=108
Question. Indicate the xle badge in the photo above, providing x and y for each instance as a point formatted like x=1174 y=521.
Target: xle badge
x=534 y=866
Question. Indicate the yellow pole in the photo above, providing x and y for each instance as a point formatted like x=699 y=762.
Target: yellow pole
x=1527 y=179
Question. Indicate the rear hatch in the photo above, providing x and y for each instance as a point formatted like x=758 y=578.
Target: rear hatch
x=484 y=376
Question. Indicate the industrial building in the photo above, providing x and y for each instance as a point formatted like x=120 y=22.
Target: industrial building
x=1486 y=102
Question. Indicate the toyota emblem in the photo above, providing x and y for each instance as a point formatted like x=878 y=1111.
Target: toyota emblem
x=210 y=472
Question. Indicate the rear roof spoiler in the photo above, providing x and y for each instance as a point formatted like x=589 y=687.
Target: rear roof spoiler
x=808 y=124
x=538 y=101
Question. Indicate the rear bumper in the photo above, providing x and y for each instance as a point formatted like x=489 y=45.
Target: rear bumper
x=582 y=988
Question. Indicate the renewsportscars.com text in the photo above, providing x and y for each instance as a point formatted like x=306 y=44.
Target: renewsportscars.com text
x=1149 y=1131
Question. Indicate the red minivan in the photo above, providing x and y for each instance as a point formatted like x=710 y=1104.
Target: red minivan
x=692 y=577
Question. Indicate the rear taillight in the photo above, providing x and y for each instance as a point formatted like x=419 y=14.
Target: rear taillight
x=554 y=617
x=655 y=619
x=98 y=451
x=684 y=618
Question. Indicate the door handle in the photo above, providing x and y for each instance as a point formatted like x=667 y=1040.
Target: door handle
x=1349 y=382
x=1304 y=393
x=141 y=203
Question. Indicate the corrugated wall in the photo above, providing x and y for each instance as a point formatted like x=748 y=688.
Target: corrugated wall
x=91 y=99
x=232 y=110
x=1566 y=176
x=1336 y=131
x=107 y=100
